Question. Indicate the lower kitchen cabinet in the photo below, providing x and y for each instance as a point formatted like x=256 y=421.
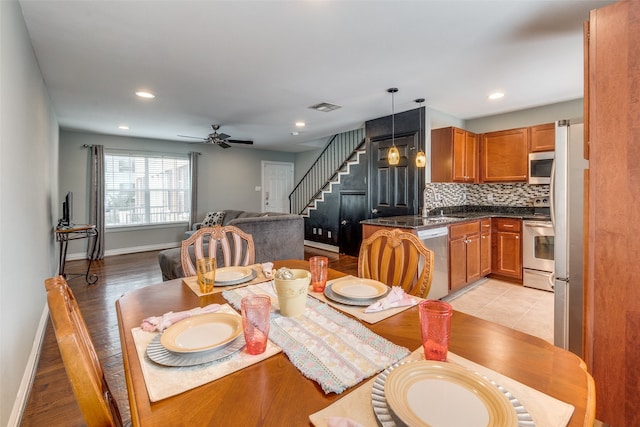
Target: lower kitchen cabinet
x=507 y=248
x=464 y=254
x=485 y=247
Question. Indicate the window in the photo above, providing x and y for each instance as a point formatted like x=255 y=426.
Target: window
x=144 y=189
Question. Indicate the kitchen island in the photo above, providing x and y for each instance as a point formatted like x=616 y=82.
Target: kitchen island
x=468 y=244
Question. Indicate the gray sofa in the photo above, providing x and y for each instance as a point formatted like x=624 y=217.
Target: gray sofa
x=275 y=235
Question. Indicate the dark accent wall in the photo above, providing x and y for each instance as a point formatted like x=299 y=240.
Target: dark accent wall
x=327 y=215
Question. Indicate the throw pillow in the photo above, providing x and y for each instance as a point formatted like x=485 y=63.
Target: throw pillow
x=213 y=218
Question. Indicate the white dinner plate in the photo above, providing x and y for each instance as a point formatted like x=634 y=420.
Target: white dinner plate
x=160 y=355
x=202 y=332
x=358 y=288
x=428 y=393
x=233 y=274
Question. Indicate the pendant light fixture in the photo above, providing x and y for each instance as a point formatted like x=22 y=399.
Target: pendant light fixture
x=394 y=155
x=421 y=157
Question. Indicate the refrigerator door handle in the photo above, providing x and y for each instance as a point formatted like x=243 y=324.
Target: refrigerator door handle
x=552 y=191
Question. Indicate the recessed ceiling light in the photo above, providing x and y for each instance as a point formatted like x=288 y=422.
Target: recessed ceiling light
x=123 y=127
x=496 y=95
x=300 y=124
x=143 y=94
x=294 y=133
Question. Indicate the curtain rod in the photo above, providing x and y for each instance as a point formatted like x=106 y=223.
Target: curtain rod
x=139 y=151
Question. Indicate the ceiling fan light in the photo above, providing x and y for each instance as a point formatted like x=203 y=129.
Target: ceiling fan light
x=421 y=159
x=394 y=155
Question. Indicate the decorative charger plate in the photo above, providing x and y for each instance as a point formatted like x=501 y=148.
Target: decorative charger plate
x=160 y=355
x=202 y=332
x=465 y=398
x=227 y=276
x=330 y=294
x=358 y=288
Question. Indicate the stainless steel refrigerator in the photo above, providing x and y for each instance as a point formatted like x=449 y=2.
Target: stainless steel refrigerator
x=567 y=214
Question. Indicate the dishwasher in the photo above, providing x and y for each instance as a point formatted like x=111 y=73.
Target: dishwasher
x=437 y=239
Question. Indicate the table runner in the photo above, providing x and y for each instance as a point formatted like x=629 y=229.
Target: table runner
x=358 y=312
x=326 y=346
x=167 y=381
x=545 y=410
x=192 y=282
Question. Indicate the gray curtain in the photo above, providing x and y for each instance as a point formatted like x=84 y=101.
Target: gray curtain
x=193 y=162
x=95 y=250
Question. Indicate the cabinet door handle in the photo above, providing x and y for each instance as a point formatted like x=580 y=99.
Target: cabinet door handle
x=517 y=237
x=508 y=225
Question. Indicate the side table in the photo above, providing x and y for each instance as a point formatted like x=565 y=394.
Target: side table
x=74 y=232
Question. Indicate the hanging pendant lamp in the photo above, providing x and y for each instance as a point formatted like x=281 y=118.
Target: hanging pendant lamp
x=421 y=157
x=393 y=155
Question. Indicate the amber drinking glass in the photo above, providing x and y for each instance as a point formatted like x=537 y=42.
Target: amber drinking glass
x=206 y=271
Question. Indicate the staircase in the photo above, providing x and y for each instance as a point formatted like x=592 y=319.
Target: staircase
x=343 y=150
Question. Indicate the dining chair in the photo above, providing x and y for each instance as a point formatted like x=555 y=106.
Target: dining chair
x=235 y=246
x=397 y=258
x=79 y=357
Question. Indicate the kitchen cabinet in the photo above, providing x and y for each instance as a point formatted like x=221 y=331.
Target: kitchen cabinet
x=504 y=156
x=542 y=138
x=485 y=247
x=454 y=155
x=464 y=254
x=611 y=226
x=507 y=248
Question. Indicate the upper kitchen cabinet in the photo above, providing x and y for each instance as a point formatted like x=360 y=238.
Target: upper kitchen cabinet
x=542 y=137
x=503 y=156
x=454 y=155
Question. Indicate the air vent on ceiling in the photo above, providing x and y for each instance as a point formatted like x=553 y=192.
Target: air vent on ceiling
x=325 y=107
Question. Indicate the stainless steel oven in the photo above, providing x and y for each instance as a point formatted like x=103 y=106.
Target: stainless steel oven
x=538 y=254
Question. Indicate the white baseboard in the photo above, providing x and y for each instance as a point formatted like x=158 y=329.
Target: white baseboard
x=124 y=251
x=323 y=246
x=15 y=418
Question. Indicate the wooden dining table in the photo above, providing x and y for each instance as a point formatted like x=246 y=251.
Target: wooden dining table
x=273 y=392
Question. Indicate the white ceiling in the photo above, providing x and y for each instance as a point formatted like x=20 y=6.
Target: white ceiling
x=256 y=66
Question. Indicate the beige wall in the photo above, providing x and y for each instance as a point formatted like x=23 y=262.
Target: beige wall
x=529 y=117
x=28 y=190
x=227 y=179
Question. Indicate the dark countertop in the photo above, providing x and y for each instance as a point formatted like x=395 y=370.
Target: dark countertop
x=450 y=216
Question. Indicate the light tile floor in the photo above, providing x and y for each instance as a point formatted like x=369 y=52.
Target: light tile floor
x=515 y=306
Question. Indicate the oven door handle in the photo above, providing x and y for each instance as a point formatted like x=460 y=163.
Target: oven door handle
x=538 y=224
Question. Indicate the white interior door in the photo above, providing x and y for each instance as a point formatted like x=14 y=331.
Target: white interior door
x=277 y=184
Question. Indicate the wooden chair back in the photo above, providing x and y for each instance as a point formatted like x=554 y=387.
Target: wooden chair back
x=79 y=356
x=397 y=258
x=236 y=246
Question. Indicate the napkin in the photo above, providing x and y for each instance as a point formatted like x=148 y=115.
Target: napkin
x=342 y=422
x=160 y=323
x=396 y=298
x=267 y=268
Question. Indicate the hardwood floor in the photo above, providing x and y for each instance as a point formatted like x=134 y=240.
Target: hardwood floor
x=51 y=401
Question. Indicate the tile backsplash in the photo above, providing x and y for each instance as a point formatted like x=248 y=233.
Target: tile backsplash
x=440 y=195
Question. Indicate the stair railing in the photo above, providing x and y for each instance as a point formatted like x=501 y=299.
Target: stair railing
x=328 y=164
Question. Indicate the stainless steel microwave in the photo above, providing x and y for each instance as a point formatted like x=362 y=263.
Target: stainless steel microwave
x=540 y=165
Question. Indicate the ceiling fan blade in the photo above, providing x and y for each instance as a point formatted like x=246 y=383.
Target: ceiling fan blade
x=223 y=144
x=194 y=137
x=238 y=141
x=223 y=136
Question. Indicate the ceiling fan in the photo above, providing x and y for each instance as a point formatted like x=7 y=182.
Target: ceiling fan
x=220 y=139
